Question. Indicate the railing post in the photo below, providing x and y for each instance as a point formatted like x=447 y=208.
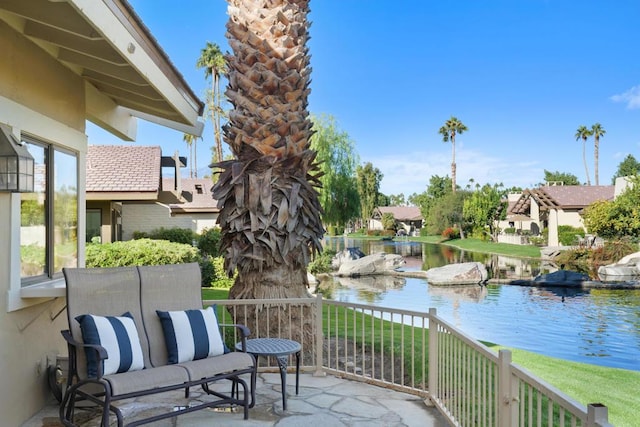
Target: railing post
x=319 y=338
x=433 y=369
x=597 y=415
x=507 y=396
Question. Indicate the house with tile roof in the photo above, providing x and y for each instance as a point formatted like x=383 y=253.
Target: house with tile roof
x=407 y=218
x=65 y=63
x=549 y=206
x=126 y=193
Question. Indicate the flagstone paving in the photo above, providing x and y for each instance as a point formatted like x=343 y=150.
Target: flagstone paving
x=323 y=401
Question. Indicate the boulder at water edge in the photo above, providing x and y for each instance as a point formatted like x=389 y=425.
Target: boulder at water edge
x=379 y=263
x=628 y=268
x=561 y=278
x=464 y=273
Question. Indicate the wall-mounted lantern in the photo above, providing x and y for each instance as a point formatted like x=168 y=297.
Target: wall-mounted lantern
x=16 y=164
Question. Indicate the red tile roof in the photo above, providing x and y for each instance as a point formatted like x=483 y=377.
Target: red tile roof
x=123 y=168
x=563 y=196
x=199 y=199
x=402 y=213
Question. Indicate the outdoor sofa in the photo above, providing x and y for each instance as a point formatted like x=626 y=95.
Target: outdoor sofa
x=159 y=307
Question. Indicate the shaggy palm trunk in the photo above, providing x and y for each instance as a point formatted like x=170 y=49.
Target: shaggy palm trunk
x=270 y=216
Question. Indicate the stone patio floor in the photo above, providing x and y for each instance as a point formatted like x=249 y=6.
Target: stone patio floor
x=323 y=401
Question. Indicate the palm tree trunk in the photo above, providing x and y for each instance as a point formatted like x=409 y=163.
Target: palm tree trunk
x=595 y=157
x=584 y=159
x=453 y=162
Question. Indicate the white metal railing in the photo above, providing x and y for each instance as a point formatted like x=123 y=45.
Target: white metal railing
x=418 y=353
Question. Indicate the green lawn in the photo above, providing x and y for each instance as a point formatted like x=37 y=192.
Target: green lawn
x=477 y=245
x=615 y=388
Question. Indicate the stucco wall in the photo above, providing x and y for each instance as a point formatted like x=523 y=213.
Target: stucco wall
x=32 y=78
x=150 y=216
x=40 y=97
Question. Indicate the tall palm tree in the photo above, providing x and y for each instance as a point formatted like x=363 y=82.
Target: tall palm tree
x=214 y=64
x=597 y=131
x=583 y=133
x=270 y=217
x=190 y=140
x=451 y=128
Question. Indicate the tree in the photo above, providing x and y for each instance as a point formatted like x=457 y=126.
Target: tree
x=397 y=200
x=617 y=218
x=446 y=212
x=214 y=64
x=628 y=167
x=563 y=178
x=483 y=208
x=451 y=128
x=388 y=221
x=437 y=188
x=597 y=131
x=270 y=216
x=338 y=160
x=368 y=181
x=583 y=133
x=190 y=141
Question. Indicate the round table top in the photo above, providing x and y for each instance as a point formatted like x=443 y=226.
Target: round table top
x=270 y=346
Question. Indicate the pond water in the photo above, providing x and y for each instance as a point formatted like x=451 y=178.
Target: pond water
x=597 y=326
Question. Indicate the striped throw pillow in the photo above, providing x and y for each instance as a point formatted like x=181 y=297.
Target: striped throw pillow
x=191 y=334
x=119 y=336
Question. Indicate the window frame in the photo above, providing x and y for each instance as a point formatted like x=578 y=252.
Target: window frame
x=50 y=150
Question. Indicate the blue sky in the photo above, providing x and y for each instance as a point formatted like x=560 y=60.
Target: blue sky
x=522 y=75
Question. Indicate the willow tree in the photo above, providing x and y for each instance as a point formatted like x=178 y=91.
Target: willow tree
x=582 y=133
x=270 y=213
x=451 y=128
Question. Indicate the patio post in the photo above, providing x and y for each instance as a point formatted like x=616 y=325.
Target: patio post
x=319 y=338
x=507 y=410
x=433 y=355
x=597 y=415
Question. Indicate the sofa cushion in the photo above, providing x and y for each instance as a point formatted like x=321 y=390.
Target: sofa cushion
x=191 y=334
x=119 y=337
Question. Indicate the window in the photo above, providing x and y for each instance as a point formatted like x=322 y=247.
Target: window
x=94 y=225
x=49 y=215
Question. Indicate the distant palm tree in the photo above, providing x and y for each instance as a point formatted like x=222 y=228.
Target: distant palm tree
x=597 y=131
x=452 y=127
x=214 y=64
x=191 y=140
x=583 y=133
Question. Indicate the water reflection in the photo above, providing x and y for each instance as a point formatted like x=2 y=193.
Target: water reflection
x=423 y=256
x=600 y=326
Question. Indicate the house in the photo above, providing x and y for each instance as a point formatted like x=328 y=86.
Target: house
x=549 y=206
x=127 y=193
x=65 y=62
x=407 y=218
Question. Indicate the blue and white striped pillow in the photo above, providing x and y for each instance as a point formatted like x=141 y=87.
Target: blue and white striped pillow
x=191 y=334
x=119 y=336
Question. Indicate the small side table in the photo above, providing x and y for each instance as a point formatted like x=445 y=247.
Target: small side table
x=280 y=349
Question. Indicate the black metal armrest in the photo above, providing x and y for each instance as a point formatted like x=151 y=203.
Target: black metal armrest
x=73 y=345
x=244 y=333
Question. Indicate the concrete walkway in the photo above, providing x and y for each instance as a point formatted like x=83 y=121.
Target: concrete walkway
x=323 y=401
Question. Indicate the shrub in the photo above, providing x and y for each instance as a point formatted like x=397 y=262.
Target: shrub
x=175 y=234
x=567 y=234
x=139 y=252
x=322 y=263
x=214 y=274
x=509 y=230
x=209 y=242
x=424 y=232
x=451 y=233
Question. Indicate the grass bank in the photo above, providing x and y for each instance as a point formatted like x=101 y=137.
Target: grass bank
x=616 y=388
x=477 y=245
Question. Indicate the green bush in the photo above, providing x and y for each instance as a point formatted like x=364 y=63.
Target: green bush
x=322 y=262
x=175 y=234
x=509 y=230
x=567 y=234
x=140 y=252
x=209 y=242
